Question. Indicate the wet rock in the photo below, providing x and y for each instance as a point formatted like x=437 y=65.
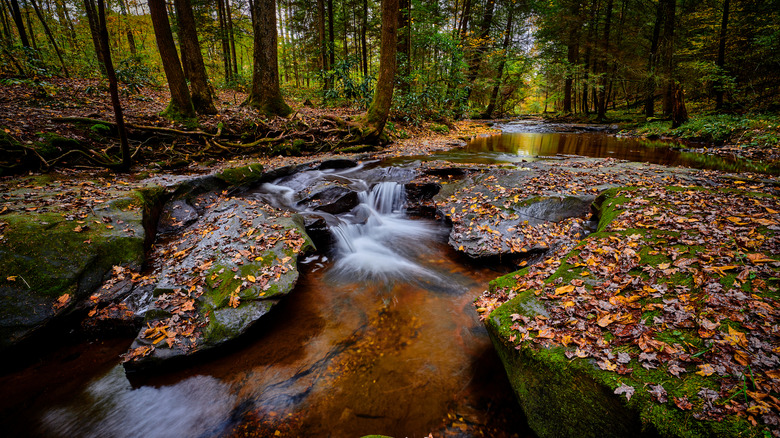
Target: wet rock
x=50 y=264
x=419 y=192
x=337 y=164
x=219 y=280
x=333 y=200
x=175 y=216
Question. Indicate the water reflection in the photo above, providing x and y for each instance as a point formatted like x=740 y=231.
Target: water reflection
x=110 y=407
x=517 y=147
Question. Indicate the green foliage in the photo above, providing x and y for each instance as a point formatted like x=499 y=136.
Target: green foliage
x=346 y=85
x=135 y=73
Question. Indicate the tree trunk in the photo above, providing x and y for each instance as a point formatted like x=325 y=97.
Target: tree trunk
x=50 y=37
x=670 y=7
x=181 y=103
x=29 y=26
x=265 y=94
x=331 y=37
x=16 y=13
x=231 y=38
x=377 y=113
x=363 y=40
x=494 y=95
x=130 y=38
x=721 y=55
x=194 y=67
x=679 y=113
x=404 y=44
x=572 y=55
x=652 y=61
x=602 y=96
x=226 y=58
x=324 y=65
x=103 y=48
x=94 y=30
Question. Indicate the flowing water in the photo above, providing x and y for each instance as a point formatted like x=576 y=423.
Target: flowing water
x=379 y=335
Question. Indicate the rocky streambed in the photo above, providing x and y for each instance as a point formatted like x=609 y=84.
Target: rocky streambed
x=612 y=325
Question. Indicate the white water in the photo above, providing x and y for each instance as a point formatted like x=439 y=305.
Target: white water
x=376 y=240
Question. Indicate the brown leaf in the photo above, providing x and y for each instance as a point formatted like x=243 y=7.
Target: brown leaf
x=683 y=403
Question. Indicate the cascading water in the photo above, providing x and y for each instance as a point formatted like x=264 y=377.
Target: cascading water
x=375 y=240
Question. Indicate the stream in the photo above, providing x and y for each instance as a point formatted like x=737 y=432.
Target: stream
x=378 y=337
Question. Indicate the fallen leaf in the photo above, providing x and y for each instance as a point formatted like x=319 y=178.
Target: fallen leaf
x=628 y=391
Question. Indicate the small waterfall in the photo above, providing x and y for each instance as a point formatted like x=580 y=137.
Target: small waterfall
x=373 y=241
x=378 y=242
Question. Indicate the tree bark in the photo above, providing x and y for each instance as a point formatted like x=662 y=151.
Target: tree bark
x=112 y=85
x=404 y=44
x=721 y=55
x=572 y=56
x=377 y=113
x=652 y=61
x=194 y=67
x=324 y=65
x=265 y=94
x=602 y=93
x=94 y=30
x=16 y=13
x=231 y=38
x=130 y=38
x=670 y=7
x=181 y=102
x=363 y=40
x=494 y=94
x=331 y=36
x=226 y=58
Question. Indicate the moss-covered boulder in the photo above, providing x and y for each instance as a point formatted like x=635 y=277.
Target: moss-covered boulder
x=52 y=259
x=663 y=323
x=221 y=276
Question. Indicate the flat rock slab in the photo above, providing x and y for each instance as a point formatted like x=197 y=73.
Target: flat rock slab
x=219 y=278
x=53 y=255
x=499 y=210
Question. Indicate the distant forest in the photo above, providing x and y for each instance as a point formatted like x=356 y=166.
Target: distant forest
x=455 y=58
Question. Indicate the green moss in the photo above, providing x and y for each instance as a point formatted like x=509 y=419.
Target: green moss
x=51 y=144
x=100 y=129
x=240 y=176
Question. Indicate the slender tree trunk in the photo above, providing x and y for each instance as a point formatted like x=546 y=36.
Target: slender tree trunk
x=94 y=30
x=231 y=38
x=494 y=94
x=377 y=113
x=404 y=45
x=602 y=96
x=324 y=60
x=194 y=67
x=265 y=94
x=670 y=7
x=130 y=38
x=652 y=61
x=113 y=86
x=721 y=55
x=32 y=32
x=50 y=37
x=463 y=27
x=363 y=40
x=572 y=55
x=16 y=13
x=331 y=36
x=226 y=58
x=181 y=102
x=6 y=27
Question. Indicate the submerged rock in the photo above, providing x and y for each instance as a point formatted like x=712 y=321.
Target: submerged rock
x=225 y=273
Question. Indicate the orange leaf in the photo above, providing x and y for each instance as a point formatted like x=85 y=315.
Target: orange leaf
x=564 y=289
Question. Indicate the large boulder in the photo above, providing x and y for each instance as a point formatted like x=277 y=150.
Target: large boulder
x=225 y=273
x=659 y=324
x=58 y=248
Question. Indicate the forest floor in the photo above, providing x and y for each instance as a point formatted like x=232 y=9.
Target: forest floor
x=42 y=117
